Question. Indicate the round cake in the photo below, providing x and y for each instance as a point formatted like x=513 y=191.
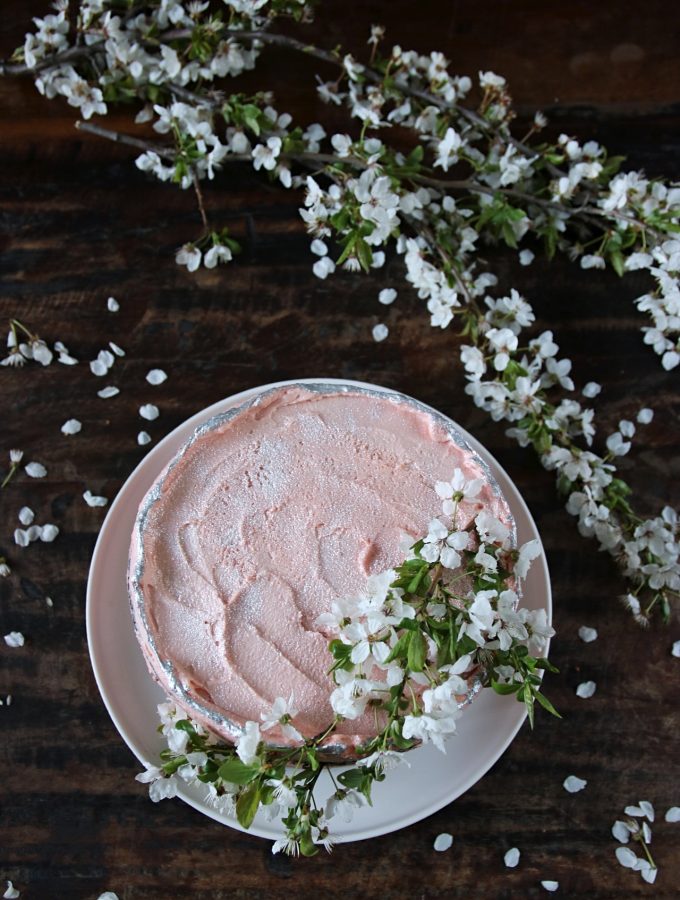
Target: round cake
x=269 y=513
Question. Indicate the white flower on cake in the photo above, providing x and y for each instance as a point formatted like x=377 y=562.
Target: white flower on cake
x=281 y=714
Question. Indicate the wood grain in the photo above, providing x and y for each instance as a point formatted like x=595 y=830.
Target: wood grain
x=79 y=223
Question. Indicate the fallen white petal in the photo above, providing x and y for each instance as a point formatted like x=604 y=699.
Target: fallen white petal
x=21 y=538
x=511 y=858
x=586 y=689
x=33 y=532
x=380 y=332
x=149 y=412
x=442 y=842
x=97 y=367
x=551 y=886
x=107 y=392
x=49 y=602
x=26 y=515
x=106 y=357
x=626 y=857
x=92 y=500
x=14 y=639
x=649 y=875
x=116 y=349
x=587 y=634
x=645 y=416
x=67 y=360
x=647 y=809
x=48 y=533
x=675 y=649
x=573 y=784
x=621 y=831
x=35 y=470
x=11 y=893
x=143 y=438
x=71 y=426
x=108 y=895
x=673 y=814
x=634 y=811
x=112 y=304
x=156 y=376
x=646 y=833
x=8 y=700
x=387 y=296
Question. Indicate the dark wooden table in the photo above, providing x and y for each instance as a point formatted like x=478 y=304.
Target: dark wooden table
x=79 y=223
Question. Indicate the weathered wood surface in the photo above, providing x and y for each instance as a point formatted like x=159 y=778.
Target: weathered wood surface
x=77 y=224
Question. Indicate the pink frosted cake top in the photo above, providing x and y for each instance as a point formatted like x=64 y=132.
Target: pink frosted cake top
x=260 y=523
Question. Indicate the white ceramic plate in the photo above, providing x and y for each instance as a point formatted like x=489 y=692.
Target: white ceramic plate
x=408 y=794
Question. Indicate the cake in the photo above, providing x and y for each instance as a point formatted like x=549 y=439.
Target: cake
x=267 y=515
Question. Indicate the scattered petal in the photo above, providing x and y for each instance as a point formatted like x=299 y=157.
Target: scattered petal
x=35 y=470
x=380 y=332
x=586 y=689
x=112 y=304
x=592 y=389
x=573 y=784
x=33 y=532
x=149 y=412
x=21 y=538
x=646 y=833
x=526 y=257
x=647 y=809
x=645 y=416
x=71 y=426
x=26 y=515
x=587 y=634
x=108 y=895
x=97 y=367
x=143 y=438
x=116 y=349
x=675 y=649
x=511 y=858
x=442 y=842
x=48 y=533
x=49 y=602
x=551 y=886
x=621 y=831
x=649 y=875
x=387 y=296
x=93 y=500
x=109 y=391
x=634 y=811
x=626 y=857
x=156 y=376
x=673 y=814
x=11 y=893
x=14 y=639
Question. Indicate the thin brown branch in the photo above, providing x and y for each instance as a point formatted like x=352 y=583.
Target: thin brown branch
x=119 y=138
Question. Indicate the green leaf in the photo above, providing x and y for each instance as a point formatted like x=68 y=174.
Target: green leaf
x=546 y=704
x=307 y=845
x=500 y=688
x=247 y=804
x=352 y=778
x=400 y=648
x=364 y=254
x=236 y=772
x=529 y=703
x=417 y=652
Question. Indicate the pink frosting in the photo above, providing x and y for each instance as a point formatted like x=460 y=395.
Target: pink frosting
x=266 y=519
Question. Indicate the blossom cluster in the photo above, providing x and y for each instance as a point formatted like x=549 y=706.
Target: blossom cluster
x=466 y=181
